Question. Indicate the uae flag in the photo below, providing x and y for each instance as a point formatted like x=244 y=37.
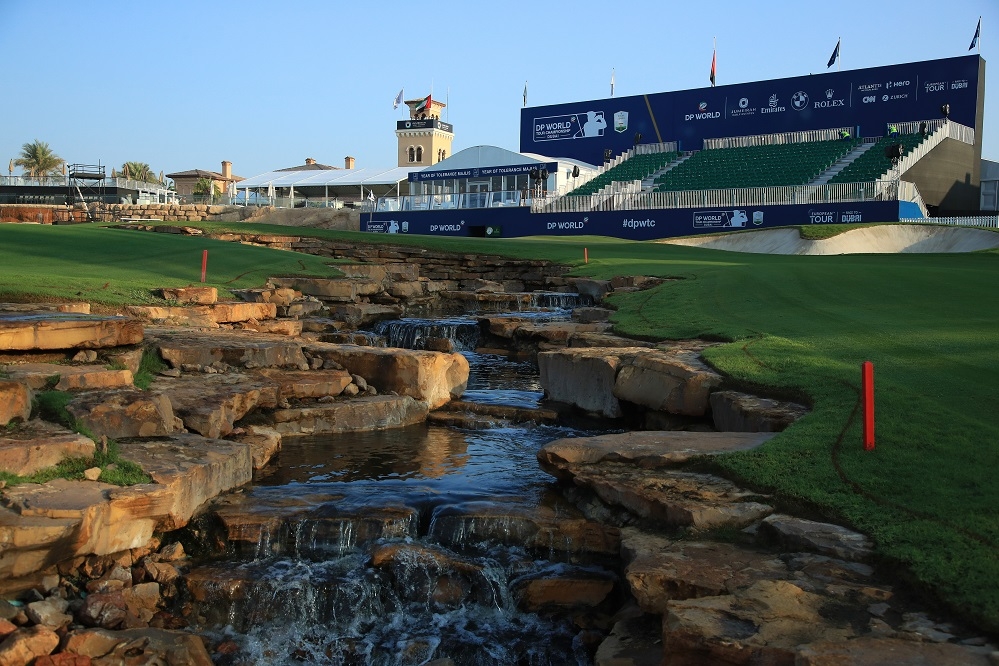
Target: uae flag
x=425 y=104
x=713 y=63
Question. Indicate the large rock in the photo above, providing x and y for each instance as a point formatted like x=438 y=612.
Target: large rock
x=70 y=377
x=198 y=295
x=564 y=588
x=676 y=383
x=660 y=570
x=365 y=413
x=27 y=644
x=358 y=315
x=825 y=538
x=36 y=332
x=734 y=411
x=39 y=444
x=139 y=647
x=431 y=377
x=633 y=641
x=211 y=404
x=117 y=413
x=877 y=651
x=15 y=402
x=582 y=377
x=309 y=383
x=236 y=348
x=650 y=449
x=337 y=290
x=763 y=624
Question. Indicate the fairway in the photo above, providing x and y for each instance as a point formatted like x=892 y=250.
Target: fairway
x=798 y=326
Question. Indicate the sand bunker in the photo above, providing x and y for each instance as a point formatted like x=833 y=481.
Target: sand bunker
x=881 y=239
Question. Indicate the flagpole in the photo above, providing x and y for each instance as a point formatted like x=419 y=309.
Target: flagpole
x=839 y=60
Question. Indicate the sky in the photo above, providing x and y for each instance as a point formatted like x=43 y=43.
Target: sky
x=264 y=84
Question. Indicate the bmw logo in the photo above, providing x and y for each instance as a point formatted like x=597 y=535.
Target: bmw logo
x=799 y=100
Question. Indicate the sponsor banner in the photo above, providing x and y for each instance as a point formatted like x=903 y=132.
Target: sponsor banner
x=483 y=172
x=633 y=224
x=866 y=98
x=424 y=124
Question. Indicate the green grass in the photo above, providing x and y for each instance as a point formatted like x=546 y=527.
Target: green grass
x=799 y=326
x=150 y=365
x=111 y=267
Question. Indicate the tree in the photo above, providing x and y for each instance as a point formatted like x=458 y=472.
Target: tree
x=206 y=186
x=38 y=160
x=139 y=171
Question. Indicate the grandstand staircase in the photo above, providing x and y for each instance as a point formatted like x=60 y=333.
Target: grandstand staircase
x=841 y=164
x=650 y=182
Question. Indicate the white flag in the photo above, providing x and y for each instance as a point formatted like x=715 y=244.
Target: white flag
x=371 y=195
x=398 y=100
x=612 y=82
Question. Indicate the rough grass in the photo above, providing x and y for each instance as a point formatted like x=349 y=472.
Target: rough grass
x=150 y=365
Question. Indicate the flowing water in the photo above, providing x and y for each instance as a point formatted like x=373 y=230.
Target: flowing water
x=405 y=546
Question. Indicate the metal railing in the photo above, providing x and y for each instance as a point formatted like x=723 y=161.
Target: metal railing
x=987 y=221
x=641 y=149
x=466 y=200
x=886 y=190
x=781 y=138
x=953 y=130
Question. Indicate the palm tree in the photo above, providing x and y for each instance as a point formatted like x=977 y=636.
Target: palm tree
x=38 y=160
x=139 y=171
x=206 y=187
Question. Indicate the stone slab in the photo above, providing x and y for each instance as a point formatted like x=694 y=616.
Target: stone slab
x=15 y=401
x=211 y=404
x=39 y=332
x=357 y=414
x=38 y=444
x=71 y=377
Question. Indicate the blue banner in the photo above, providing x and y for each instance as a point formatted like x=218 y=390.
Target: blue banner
x=632 y=224
x=870 y=99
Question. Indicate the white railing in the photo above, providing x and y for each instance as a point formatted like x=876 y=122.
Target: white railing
x=887 y=190
x=642 y=149
x=987 y=221
x=909 y=192
x=776 y=139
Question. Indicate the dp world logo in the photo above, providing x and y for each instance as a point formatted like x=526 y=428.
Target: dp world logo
x=799 y=100
x=743 y=103
x=703 y=106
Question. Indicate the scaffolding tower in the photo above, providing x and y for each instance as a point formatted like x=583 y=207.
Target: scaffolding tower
x=86 y=186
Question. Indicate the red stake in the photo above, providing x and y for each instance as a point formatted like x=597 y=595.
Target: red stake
x=204 y=264
x=586 y=255
x=867 y=377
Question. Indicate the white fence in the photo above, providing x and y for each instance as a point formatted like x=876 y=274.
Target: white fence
x=988 y=221
x=776 y=139
x=885 y=190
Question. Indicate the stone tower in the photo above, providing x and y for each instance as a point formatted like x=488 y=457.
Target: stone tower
x=424 y=139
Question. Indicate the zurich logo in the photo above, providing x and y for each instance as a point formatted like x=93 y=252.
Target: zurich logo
x=703 y=106
x=743 y=103
x=799 y=100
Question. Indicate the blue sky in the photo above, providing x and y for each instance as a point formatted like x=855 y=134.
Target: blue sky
x=184 y=85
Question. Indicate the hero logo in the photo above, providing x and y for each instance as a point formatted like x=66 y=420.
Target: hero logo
x=773 y=106
x=870 y=99
x=822 y=216
x=829 y=102
x=799 y=100
x=703 y=113
x=936 y=86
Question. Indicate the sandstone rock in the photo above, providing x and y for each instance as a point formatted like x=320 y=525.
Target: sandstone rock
x=195 y=315
x=140 y=647
x=408 y=290
x=798 y=533
x=634 y=641
x=595 y=289
x=264 y=444
x=85 y=356
x=92 y=474
x=566 y=588
x=431 y=377
x=675 y=499
x=187 y=295
x=644 y=449
x=124 y=412
x=70 y=377
x=26 y=644
x=583 y=378
x=289 y=327
x=358 y=315
x=127 y=608
x=15 y=402
x=337 y=290
x=63 y=659
x=50 y=612
x=38 y=444
x=227 y=313
x=211 y=405
x=588 y=315
x=585 y=339
x=365 y=413
x=66 y=331
x=240 y=349
x=660 y=570
x=734 y=411
x=308 y=384
x=673 y=383
x=764 y=623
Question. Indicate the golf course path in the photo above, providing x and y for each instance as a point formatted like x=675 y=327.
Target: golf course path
x=881 y=239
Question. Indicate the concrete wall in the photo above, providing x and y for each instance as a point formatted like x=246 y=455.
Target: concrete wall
x=948 y=177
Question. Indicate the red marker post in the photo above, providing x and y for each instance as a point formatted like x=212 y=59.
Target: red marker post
x=586 y=255
x=867 y=387
x=204 y=264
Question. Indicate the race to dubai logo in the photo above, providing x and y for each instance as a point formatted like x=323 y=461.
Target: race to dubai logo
x=621 y=121
x=799 y=100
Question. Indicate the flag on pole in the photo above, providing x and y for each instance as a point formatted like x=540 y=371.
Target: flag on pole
x=371 y=195
x=398 y=100
x=978 y=32
x=525 y=93
x=612 y=82
x=713 y=64
x=835 y=55
x=425 y=104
